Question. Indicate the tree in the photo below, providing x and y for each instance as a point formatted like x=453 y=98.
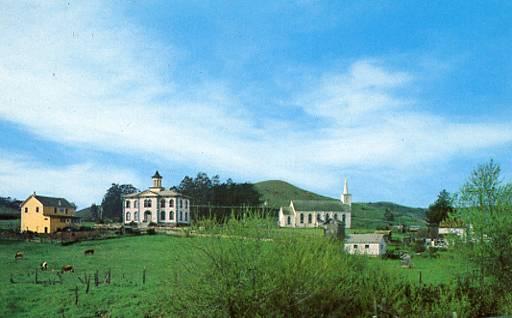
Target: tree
x=111 y=204
x=485 y=205
x=94 y=212
x=439 y=210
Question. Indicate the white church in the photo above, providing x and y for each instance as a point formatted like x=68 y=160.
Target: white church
x=313 y=213
x=156 y=205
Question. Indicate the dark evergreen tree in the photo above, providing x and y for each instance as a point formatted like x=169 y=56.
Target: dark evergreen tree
x=440 y=210
x=111 y=205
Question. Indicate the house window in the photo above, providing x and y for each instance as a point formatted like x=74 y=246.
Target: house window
x=54 y=210
x=37 y=209
x=171 y=203
x=162 y=216
x=171 y=215
x=367 y=246
x=186 y=216
x=289 y=221
x=302 y=218
x=181 y=216
x=128 y=216
x=355 y=246
x=181 y=203
x=66 y=211
x=186 y=204
x=128 y=204
x=162 y=203
x=310 y=218
x=45 y=230
x=26 y=210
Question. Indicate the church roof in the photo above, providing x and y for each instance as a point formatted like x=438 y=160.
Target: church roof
x=319 y=205
x=157 y=175
x=365 y=238
x=149 y=193
x=287 y=210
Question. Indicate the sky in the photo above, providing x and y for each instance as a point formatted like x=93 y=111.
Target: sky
x=404 y=98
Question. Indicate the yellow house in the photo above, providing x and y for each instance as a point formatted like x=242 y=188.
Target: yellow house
x=40 y=214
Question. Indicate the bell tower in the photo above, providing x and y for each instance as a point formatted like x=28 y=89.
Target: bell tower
x=157 y=182
x=346 y=198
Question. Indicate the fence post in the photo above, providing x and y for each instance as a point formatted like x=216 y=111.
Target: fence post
x=144 y=276
x=76 y=295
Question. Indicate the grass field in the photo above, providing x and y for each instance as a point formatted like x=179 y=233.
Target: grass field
x=126 y=296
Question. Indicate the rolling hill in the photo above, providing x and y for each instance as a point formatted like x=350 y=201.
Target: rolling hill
x=278 y=193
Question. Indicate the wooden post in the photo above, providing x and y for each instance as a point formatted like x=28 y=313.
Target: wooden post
x=420 y=278
x=36 y=277
x=144 y=276
x=88 y=283
x=76 y=295
x=96 y=278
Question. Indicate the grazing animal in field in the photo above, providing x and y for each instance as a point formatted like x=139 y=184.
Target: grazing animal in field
x=67 y=268
x=89 y=252
x=44 y=266
x=19 y=255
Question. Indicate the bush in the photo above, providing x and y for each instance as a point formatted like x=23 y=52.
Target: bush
x=151 y=231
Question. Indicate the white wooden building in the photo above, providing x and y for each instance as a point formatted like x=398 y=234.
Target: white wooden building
x=313 y=213
x=366 y=244
x=156 y=205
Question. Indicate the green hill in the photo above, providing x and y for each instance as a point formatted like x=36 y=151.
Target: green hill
x=85 y=214
x=364 y=215
x=9 y=213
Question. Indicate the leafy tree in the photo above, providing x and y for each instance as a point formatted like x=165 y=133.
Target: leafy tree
x=111 y=205
x=440 y=210
x=485 y=206
x=95 y=212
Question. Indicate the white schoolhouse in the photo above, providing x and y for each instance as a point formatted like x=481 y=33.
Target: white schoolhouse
x=156 y=205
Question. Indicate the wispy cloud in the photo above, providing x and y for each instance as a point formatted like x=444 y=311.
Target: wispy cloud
x=82 y=76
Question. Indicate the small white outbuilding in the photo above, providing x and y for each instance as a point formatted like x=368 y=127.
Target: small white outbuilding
x=366 y=244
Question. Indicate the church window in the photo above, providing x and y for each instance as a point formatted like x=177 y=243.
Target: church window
x=136 y=216
x=181 y=216
x=301 y=218
x=186 y=204
x=135 y=203
x=186 y=216
x=318 y=217
x=162 y=216
x=147 y=203
x=171 y=203
x=343 y=217
x=128 y=216
x=171 y=215
x=181 y=203
x=310 y=218
x=355 y=246
x=367 y=246
x=289 y=220
x=336 y=216
x=162 y=203
x=127 y=203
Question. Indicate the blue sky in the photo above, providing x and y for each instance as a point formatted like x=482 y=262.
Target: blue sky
x=404 y=98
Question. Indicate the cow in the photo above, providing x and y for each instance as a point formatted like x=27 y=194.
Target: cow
x=89 y=252
x=19 y=255
x=44 y=266
x=67 y=268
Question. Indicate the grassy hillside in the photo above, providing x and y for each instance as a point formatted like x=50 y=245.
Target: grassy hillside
x=278 y=193
x=364 y=215
x=8 y=213
x=85 y=214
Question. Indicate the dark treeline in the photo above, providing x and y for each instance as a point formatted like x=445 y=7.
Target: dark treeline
x=213 y=198
x=11 y=203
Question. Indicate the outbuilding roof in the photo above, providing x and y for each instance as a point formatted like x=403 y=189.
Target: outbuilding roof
x=365 y=238
x=319 y=205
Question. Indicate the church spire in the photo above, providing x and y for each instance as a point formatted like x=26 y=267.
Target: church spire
x=346 y=197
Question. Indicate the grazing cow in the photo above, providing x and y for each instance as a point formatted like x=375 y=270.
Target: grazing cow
x=89 y=252
x=67 y=268
x=19 y=255
x=44 y=266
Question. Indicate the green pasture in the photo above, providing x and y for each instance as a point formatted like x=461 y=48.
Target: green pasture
x=164 y=257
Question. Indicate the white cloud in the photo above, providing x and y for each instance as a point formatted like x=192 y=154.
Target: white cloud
x=82 y=76
x=83 y=183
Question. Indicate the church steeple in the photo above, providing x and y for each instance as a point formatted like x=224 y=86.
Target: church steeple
x=346 y=197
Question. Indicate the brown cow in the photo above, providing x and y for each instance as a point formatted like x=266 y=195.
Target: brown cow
x=19 y=255
x=89 y=252
x=67 y=268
